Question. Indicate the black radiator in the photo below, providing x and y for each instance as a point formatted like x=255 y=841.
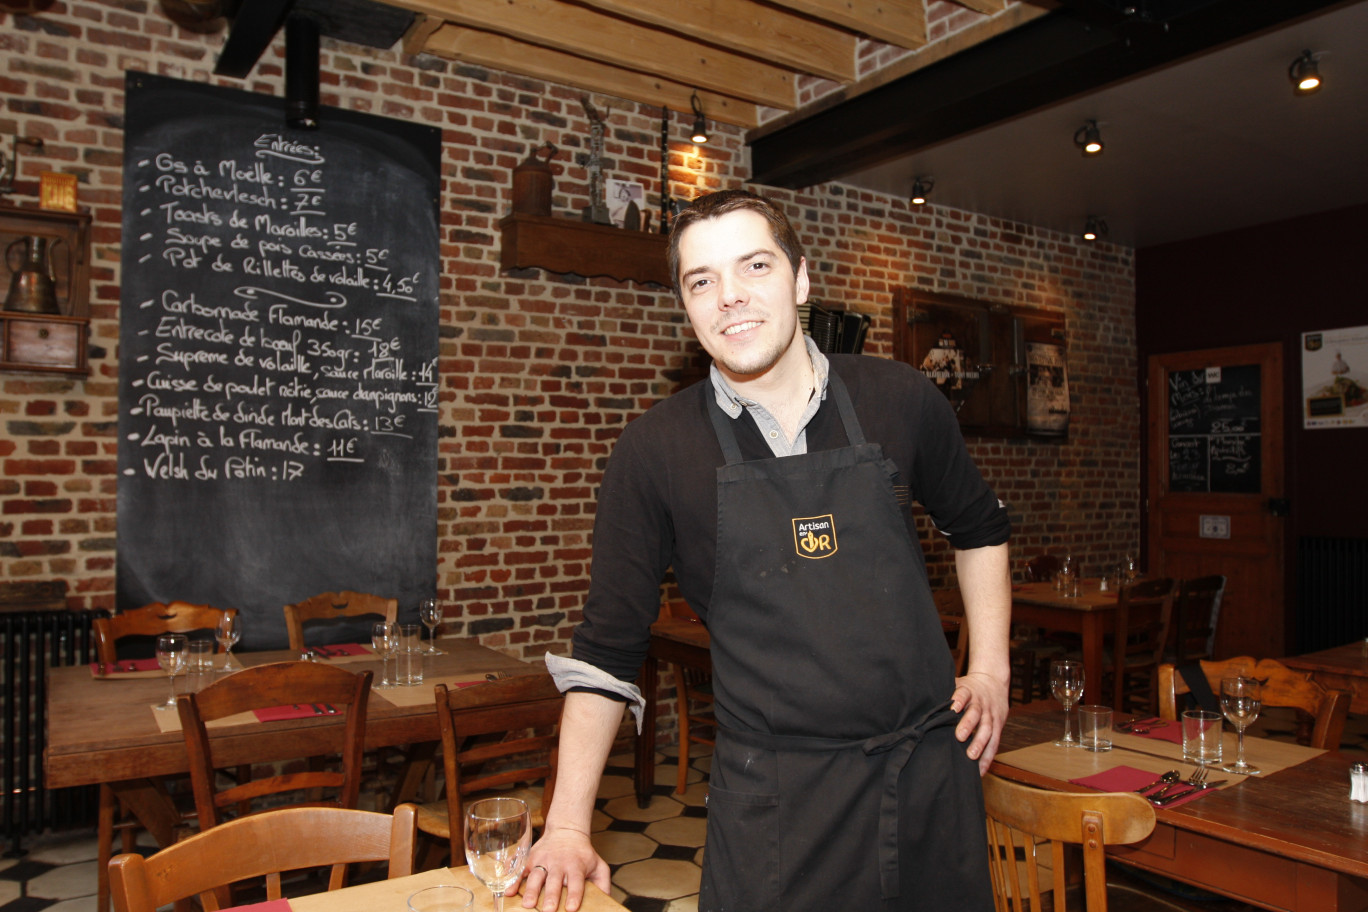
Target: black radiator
x=1332 y=592
x=30 y=643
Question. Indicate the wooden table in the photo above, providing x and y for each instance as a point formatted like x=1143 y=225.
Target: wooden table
x=104 y=731
x=392 y=895
x=1341 y=668
x=1290 y=840
x=1091 y=615
x=685 y=642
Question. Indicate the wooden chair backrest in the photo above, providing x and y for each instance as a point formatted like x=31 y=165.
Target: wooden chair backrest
x=1020 y=817
x=1144 y=612
x=1042 y=568
x=1196 y=609
x=326 y=605
x=278 y=684
x=153 y=620
x=1281 y=686
x=263 y=845
x=509 y=726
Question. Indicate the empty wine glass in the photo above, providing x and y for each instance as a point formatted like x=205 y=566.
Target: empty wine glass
x=228 y=632
x=430 y=613
x=1240 y=701
x=171 y=658
x=1130 y=569
x=1068 y=572
x=1066 y=682
x=498 y=835
x=384 y=638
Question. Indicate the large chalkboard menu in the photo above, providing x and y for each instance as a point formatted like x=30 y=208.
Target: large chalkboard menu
x=1213 y=430
x=278 y=354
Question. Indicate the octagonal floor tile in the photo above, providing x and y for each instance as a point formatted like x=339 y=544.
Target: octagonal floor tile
x=621 y=848
x=659 y=878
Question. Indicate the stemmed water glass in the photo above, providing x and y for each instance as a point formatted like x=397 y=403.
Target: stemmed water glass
x=498 y=835
x=430 y=613
x=1240 y=701
x=228 y=632
x=171 y=658
x=1066 y=682
x=384 y=638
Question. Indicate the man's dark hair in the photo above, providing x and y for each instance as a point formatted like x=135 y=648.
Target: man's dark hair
x=720 y=203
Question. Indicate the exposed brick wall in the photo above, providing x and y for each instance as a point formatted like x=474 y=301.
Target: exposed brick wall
x=539 y=372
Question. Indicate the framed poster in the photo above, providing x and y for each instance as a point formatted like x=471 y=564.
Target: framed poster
x=1335 y=378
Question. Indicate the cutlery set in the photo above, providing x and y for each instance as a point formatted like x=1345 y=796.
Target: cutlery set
x=319 y=709
x=1170 y=787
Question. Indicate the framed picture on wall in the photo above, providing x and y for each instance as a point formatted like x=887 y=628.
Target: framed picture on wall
x=1335 y=378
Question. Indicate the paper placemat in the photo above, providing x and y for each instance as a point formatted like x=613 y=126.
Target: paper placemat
x=168 y=720
x=1149 y=754
x=421 y=694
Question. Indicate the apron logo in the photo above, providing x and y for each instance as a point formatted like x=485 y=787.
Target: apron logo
x=815 y=536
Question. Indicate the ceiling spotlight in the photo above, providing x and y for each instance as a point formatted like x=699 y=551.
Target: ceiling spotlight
x=700 y=126
x=1304 y=74
x=921 y=189
x=1089 y=139
x=1095 y=228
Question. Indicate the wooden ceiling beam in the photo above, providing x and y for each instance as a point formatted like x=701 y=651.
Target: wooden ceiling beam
x=897 y=22
x=763 y=31
x=503 y=53
x=983 y=6
x=585 y=33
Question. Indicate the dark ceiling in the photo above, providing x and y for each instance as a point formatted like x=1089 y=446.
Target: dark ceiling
x=1203 y=133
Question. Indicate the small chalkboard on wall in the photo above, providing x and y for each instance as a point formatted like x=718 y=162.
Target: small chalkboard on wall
x=1213 y=430
x=278 y=354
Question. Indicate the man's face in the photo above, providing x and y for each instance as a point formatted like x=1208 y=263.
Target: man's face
x=740 y=292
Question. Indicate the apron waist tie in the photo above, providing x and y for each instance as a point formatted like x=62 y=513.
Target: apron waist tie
x=898 y=745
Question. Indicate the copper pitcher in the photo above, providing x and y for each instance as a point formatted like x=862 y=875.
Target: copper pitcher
x=33 y=289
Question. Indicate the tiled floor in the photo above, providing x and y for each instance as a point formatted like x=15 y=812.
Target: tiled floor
x=655 y=853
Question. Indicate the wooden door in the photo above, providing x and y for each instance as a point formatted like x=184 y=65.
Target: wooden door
x=1216 y=486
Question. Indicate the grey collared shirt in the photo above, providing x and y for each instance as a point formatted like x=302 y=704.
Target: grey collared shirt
x=779 y=444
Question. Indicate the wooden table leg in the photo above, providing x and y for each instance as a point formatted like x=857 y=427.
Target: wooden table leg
x=646 y=741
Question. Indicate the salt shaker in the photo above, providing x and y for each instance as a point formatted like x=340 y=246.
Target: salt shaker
x=1358 y=782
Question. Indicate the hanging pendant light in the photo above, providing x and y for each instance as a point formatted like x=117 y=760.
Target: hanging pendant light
x=700 y=124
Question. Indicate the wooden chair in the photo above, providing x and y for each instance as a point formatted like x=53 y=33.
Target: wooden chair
x=331 y=605
x=153 y=620
x=1281 y=687
x=1042 y=568
x=1196 y=609
x=693 y=687
x=263 y=845
x=1023 y=821
x=950 y=607
x=278 y=684
x=148 y=621
x=1144 y=612
x=495 y=736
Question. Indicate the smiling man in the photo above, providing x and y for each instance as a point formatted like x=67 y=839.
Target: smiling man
x=845 y=773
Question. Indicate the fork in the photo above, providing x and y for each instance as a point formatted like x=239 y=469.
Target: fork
x=1173 y=788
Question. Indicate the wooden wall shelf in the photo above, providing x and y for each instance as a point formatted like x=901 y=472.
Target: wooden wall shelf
x=47 y=342
x=583 y=248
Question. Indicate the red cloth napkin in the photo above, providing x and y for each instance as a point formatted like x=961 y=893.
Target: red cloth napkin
x=341 y=649
x=1170 y=731
x=271 y=905
x=1128 y=779
x=124 y=665
x=292 y=711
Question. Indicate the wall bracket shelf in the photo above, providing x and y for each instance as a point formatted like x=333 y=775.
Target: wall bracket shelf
x=582 y=248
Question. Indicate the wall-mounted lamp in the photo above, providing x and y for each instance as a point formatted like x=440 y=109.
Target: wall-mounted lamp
x=700 y=124
x=1095 y=228
x=1089 y=139
x=921 y=189
x=9 y=165
x=1305 y=75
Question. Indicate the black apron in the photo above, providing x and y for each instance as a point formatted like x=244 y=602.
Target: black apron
x=837 y=782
